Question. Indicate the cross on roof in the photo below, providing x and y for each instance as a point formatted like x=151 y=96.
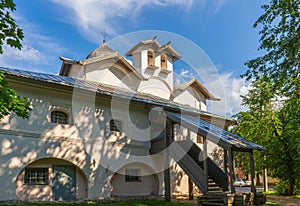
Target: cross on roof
x=104 y=34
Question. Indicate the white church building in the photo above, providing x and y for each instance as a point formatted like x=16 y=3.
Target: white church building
x=105 y=127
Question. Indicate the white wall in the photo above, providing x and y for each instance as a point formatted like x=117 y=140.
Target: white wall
x=87 y=142
x=188 y=97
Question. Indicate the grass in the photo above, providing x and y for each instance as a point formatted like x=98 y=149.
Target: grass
x=272 y=204
x=271 y=192
x=123 y=203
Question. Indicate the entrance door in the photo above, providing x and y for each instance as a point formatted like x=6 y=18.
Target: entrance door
x=64 y=182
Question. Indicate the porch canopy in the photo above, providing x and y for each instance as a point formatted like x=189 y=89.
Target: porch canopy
x=217 y=135
x=228 y=141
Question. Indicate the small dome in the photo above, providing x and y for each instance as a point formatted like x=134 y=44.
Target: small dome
x=101 y=51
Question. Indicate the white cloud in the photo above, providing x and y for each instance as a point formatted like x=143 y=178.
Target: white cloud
x=222 y=85
x=228 y=88
x=93 y=16
x=39 y=52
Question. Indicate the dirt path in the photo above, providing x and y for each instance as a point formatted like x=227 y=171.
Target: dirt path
x=285 y=201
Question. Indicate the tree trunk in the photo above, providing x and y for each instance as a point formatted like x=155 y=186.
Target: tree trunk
x=291 y=184
x=257 y=179
x=265 y=179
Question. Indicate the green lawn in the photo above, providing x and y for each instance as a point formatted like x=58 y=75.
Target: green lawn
x=272 y=204
x=124 y=203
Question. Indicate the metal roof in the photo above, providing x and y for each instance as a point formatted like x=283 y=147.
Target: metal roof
x=213 y=133
x=106 y=90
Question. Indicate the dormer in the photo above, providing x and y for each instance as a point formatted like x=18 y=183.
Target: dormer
x=103 y=65
x=193 y=94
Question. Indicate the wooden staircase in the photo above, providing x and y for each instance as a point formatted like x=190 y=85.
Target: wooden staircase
x=213 y=187
x=213 y=198
x=193 y=167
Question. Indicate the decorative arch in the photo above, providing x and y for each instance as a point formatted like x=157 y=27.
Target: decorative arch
x=156 y=86
x=49 y=179
x=163 y=81
x=134 y=179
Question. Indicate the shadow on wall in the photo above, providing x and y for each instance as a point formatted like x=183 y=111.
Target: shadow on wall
x=43 y=180
x=130 y=181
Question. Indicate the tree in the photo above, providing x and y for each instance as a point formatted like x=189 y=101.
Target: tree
x=260 y=123
x=11 y=35
x=280 y=35
x=276 y=75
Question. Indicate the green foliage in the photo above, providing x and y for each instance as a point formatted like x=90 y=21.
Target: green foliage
x=10 y=33
x=10 y=102
x=280 y=33
x=276 y=75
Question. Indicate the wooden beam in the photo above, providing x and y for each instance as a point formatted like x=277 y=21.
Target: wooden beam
x=253 y=189
x=231 y=171
x=191 y=195
x=205 y=164
x=167 y=180
x=226 y=165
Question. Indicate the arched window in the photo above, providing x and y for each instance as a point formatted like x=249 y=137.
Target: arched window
x=150 y=54
x=163 y=61
x=115 y=126
x=59 y=117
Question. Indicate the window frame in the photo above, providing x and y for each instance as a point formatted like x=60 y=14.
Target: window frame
x=58 y=118
x=200 y=139
x=150 y=58
x=36 y=176
x=163 y=61
x=115 y=125
x=131 y=177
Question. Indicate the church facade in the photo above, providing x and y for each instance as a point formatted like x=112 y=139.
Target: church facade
x=107 y=127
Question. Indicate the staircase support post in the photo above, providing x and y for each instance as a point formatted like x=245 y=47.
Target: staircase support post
x=252 y=171
x=205 y=165
x=191 y=195
x=167 y=180
x=231 y=171
x=226 y=166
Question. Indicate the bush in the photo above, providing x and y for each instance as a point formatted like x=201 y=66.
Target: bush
x=282 y=188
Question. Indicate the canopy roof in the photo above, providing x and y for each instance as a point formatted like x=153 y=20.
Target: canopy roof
x=213 y=133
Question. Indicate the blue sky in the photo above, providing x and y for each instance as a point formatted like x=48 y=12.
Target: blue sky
x=71 y=28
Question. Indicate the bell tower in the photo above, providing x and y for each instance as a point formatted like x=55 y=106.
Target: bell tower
x=154 y=61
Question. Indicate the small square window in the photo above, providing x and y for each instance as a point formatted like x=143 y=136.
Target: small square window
x=115 y=126
x=200 y=139
x=133 y=175
x=59 y=117
x=36 y=176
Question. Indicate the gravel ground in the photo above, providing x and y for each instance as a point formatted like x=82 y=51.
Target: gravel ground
x=285 y=201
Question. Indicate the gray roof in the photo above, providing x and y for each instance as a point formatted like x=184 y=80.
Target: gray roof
x=104 y=89
x=193 y=123
x=101 y=51
x=213 y=133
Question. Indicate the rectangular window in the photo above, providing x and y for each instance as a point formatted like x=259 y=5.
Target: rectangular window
x=133 y=175
x=37 y=176
x=59 y=117
x=200 y=139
